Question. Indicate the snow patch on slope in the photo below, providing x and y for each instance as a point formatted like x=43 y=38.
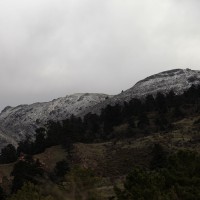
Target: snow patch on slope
x=177 y=80
x=17 y=122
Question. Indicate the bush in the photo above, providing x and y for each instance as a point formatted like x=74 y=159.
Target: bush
x=61 y=168
x=82 y=184
x=29 y=192
x=24 y=171
x=159 y=159
x=180 y=179
x=8 y=154
x=142 y=184
x=2 y=194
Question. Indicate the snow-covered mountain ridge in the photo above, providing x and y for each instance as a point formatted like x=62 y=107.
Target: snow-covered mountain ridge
x=16 y=122
x=177 y=80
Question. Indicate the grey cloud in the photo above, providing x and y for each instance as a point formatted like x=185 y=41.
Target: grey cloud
x=50 y=48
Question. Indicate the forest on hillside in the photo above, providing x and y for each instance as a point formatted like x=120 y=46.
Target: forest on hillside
x=169 y=173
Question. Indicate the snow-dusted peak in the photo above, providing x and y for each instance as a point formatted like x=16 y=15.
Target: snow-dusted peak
x=16 y=122
x=177 y=80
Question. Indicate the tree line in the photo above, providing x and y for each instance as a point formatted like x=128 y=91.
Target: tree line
x=167 y=108
x=142 y=117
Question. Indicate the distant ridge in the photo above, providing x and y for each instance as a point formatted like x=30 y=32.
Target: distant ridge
x=16 y=122
x=177 y=80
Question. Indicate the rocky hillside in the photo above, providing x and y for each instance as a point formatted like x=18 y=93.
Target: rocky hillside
x=16 y=122
x=177 y=80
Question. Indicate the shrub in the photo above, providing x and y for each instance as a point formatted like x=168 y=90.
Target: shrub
x=29 y=192
x=8 y=154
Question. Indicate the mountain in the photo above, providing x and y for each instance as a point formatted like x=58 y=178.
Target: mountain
x=177 y=80
x=17 y=122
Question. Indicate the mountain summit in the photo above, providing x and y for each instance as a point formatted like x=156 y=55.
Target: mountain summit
x=177 y=80
x=16 y=122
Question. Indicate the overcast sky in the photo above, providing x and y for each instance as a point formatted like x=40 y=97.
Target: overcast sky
x=51 y=48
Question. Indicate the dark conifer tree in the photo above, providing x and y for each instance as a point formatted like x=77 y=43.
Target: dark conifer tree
x=191 y=94
x=161 y=103
x=111 y=116
x=8 y=154
x=2 y=194
x=26 y=146
x=162 y=123
x=143 y=121
x=131 y=122
x=61 y=168
x=159 y=157
x=40 y=141
x=136 y=107
x=26 y=170
x=149 y=103
x=171 y=99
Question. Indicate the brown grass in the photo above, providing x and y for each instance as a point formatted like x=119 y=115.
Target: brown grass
x=51 y=156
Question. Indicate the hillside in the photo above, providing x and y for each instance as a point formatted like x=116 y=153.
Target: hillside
x=178 y=80
x=24 y=119
x=17 y=122
x=111 y=161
